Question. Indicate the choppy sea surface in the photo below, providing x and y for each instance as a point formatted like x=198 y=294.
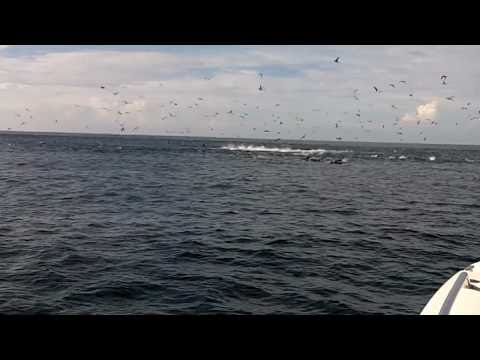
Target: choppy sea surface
x=157 y=225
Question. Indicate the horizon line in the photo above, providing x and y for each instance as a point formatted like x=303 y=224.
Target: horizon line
x=70 y=133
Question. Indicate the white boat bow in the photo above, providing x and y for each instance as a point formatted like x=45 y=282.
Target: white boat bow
x=460 y=295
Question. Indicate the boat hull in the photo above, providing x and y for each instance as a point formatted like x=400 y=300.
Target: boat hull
x=459 y=295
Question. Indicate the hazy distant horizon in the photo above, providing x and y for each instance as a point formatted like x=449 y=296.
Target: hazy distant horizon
x=66 y=133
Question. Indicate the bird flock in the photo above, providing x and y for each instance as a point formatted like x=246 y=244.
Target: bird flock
x=122 y=112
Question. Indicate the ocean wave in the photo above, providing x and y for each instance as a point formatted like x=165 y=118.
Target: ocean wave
x=288 y=150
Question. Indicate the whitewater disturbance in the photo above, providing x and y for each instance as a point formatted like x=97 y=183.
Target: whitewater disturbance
x=283 y=150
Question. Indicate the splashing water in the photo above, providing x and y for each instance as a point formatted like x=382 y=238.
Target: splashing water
x=261 y=148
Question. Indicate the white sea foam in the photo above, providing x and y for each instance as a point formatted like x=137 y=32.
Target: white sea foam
x=261 y=148
x=432 y=158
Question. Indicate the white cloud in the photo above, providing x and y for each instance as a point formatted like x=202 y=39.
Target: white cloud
x=427 y=110
x=423 y=112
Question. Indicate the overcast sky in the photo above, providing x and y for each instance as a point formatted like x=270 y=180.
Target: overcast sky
x=61 y=88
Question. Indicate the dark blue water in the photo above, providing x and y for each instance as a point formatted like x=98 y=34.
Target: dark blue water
x=143 y=225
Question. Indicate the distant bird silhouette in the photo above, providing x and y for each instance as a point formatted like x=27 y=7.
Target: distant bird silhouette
x=375 y=88
x=337 y=60
x=355 y=94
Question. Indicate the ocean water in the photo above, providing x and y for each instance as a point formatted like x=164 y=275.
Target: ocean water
x=157 y=225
